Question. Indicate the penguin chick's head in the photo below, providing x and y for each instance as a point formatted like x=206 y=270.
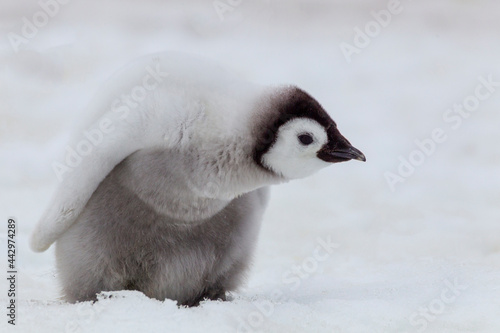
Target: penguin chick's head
x=301 y=137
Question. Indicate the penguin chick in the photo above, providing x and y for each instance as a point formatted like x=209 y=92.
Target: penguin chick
x=168 y=195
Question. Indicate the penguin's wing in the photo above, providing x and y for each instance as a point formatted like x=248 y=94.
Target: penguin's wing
x=122 y=138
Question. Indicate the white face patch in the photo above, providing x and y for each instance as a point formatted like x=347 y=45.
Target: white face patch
x=293 y=155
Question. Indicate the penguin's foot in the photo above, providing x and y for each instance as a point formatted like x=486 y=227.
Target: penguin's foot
x=209 y=295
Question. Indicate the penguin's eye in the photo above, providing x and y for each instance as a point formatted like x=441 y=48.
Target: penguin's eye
x=306 y=139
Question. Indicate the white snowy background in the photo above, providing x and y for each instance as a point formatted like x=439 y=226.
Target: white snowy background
x=422 y=256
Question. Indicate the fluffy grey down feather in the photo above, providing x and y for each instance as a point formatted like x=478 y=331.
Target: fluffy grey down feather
x=120 y=242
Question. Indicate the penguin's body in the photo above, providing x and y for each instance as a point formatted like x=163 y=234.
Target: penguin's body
x=120 y=242
x=169 y=201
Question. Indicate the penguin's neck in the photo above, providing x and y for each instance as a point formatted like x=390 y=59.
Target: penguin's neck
x=192 y=185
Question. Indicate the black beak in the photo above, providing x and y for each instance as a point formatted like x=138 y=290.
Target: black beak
x=341 y=154
x=346 y=154
x=340 y=151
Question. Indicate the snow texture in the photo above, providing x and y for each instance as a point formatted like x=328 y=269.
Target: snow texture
x=341 y=251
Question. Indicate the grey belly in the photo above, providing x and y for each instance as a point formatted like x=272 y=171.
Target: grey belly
x=119 y=242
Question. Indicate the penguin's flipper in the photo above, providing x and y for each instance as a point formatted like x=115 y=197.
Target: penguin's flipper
x=122 y=138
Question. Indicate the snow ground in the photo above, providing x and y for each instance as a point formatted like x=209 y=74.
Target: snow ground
x=422 y=258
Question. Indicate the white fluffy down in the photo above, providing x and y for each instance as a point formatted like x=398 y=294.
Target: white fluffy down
x=292 y=159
